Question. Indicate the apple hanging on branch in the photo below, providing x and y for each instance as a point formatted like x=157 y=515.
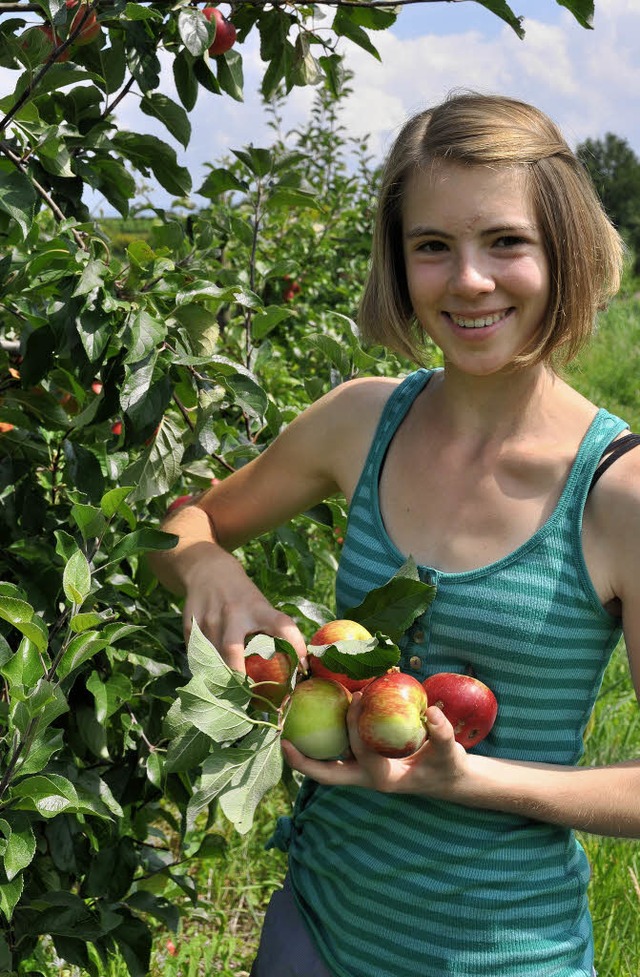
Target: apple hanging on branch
x=469 y=705
x=225 y=36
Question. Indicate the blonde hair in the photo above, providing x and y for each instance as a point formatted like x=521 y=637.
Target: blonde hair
x=584 y=250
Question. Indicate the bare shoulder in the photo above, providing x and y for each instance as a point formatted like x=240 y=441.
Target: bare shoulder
x=339 y=427
x=613 y=514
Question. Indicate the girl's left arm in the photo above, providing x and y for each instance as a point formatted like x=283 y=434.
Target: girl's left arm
x=602 y=800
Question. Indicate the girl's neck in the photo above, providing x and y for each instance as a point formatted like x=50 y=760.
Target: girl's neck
x=501 y=405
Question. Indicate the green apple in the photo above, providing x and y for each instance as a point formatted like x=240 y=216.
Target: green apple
x=315 y=718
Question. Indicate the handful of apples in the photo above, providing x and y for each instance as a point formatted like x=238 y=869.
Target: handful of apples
x=392 y=719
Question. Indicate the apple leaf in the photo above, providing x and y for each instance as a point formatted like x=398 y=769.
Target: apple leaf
x=252 y=781
x=266 y=646
x=207 y=664
x=393 y=607
x=221 y=719
x=357 y=658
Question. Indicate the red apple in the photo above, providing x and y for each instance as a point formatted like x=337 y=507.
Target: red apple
x=90 y=25
x=53 y=41
x=180 y=501
x=328 y=634
x=271 y=677
x=225 y=32
x=117 y=428
x=96 y=386
x=469 y=705
x=316 y=718
x=392 y=718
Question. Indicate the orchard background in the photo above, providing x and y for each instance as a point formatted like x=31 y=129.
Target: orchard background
x=140 y=361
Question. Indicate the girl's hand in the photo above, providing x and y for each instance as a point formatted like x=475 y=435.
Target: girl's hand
x=229 y=608
x=434 y=770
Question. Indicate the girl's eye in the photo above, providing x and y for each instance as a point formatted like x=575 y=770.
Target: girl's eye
x=509 y=241
x=432 y=247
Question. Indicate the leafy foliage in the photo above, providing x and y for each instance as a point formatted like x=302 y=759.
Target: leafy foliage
x=129 y=375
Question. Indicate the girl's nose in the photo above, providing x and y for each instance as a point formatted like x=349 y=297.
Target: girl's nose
x=471 y=276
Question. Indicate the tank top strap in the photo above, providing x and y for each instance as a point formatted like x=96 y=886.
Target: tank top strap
x=602 y=431
x=393 y=413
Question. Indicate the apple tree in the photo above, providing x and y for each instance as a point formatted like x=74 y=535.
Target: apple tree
x=130 y=377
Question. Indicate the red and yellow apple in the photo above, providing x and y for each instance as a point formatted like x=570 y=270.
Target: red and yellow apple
x=469 y=705
x=90 y=26
x=225 y=32
x=392 y=719
x=315 y=718
x=271 y=678
x=328 y=634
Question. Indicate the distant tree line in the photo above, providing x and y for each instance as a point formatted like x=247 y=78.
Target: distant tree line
x=615 y=170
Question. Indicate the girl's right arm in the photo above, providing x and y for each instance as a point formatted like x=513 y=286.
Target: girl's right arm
x=319 y=454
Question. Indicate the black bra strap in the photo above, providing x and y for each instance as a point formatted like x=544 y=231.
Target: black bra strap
x=613 y=451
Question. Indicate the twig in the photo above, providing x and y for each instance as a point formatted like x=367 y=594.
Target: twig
x=46 y=196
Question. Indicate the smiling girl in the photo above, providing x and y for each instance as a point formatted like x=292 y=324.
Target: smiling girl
x=491 y=242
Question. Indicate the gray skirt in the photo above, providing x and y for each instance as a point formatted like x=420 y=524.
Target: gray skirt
x=286 y=947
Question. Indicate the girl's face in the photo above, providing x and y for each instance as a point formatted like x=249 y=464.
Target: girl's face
x=477 y=271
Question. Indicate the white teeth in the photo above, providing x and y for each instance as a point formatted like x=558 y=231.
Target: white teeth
x=477 y=323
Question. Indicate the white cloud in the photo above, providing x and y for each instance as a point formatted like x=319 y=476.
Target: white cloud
x=586 y=80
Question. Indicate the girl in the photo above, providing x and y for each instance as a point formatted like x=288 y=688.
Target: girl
x=491 y=242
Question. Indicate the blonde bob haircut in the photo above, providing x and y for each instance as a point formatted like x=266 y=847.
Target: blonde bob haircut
x=584 y=250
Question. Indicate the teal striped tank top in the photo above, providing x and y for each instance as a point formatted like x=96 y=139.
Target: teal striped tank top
x=404 y=886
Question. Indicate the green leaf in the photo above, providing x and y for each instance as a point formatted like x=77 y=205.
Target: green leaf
x=582 y=10
x=25 y=667
x=230 y=75
x=393 y=607
x=10 y=893
x=240 y=799
x=185 y=80
x=194 y=31
x=21 y=844
x=150 y=155
x=187 y=751
x=504 y=11
x=80 y=649
x=17 y=196
x=220 y=180
x=172 y=115
x=248 y=394
x=89 y=520
x=76 y=580
x=113 y=499
x=48 y=794
x=344 y=25
x=22 y=617
x=219 y=718
x=142 y=541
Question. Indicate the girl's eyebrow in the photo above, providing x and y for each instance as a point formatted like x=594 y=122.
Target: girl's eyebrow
x=420 y=230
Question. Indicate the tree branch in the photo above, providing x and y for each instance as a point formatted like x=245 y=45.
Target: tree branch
x=46 y=196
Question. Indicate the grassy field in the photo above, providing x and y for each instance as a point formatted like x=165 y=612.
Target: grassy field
x=220 y=936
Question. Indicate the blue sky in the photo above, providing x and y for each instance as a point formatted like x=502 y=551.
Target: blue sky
x=587 y=80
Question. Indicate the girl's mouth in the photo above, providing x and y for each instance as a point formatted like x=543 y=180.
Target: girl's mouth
x=479 y=322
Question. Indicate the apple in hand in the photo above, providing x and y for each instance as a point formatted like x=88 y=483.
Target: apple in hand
x=225 y=32
x=271 y=678
x=469 y=705
x=328 y=634
x=316 y=718
x=392 y=719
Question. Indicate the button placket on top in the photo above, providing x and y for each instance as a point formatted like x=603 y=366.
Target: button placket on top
x=416 y=649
